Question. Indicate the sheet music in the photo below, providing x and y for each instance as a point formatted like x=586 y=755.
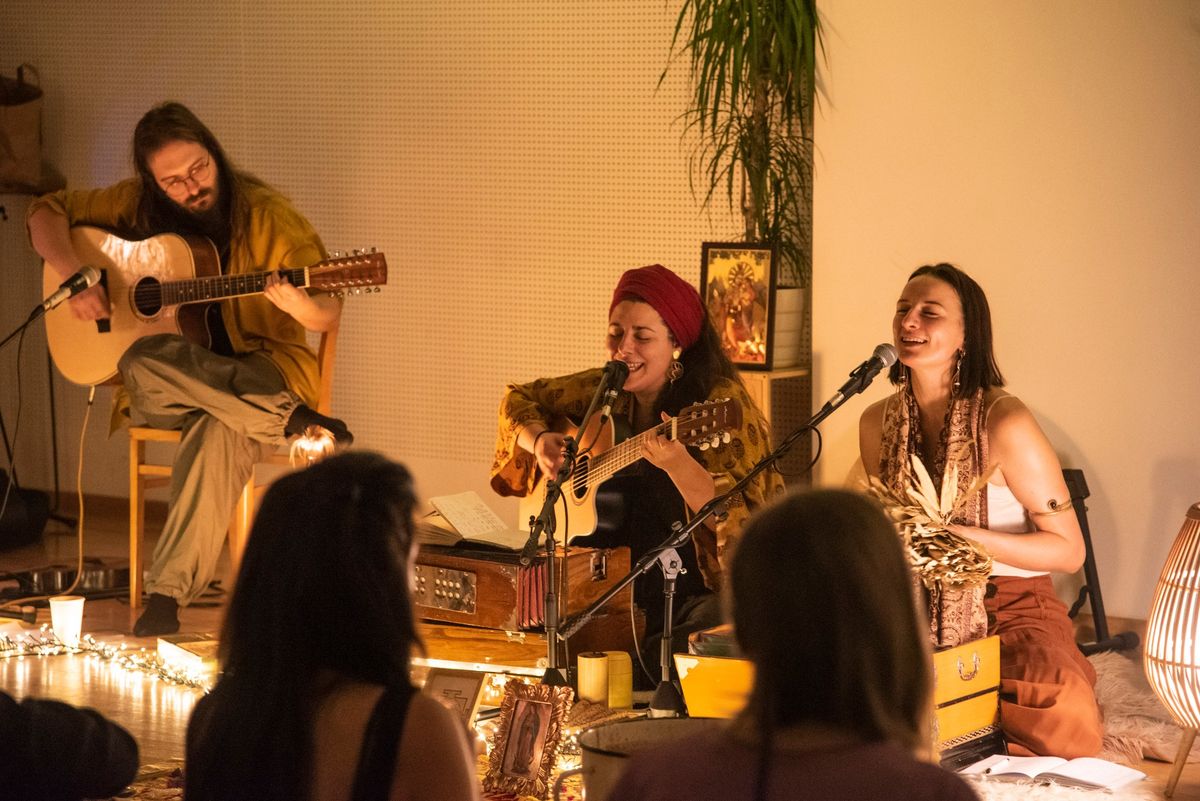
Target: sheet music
x=470 y=516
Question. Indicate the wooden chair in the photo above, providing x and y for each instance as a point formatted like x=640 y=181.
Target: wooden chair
x=144 y=474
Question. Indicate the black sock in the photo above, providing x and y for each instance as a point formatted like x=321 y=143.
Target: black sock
x=303 y=417
x=161 y=617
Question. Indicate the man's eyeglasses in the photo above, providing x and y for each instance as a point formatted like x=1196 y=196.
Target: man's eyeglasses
x=177 y=187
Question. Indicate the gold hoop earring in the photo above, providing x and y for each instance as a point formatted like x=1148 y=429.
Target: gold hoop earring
x=675 y=368
x=957 y=385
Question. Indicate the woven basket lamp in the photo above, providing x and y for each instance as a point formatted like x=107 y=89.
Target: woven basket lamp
x=1172 y=652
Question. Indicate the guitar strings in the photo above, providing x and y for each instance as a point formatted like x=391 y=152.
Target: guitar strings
x=614 y=459
x=169 y=293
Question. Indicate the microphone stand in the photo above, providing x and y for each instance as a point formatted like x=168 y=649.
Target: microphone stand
x=37 y=312
x=556 y=676
x=33 y=315
x=667 y=701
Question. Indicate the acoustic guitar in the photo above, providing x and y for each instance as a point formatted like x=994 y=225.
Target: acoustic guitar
x=705 y=424
x=162 y=285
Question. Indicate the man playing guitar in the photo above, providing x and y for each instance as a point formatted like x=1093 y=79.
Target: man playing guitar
x=253 y=384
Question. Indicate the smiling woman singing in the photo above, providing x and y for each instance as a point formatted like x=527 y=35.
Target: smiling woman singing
x=950 y=411
x=658 y=328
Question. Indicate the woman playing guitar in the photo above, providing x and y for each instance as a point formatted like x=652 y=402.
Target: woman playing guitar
x=656 y=326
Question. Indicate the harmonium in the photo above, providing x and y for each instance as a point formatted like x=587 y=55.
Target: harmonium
x=483 y=605
x=966 y=698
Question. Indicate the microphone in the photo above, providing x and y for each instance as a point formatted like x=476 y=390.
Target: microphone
x=86 y=277
x=615 y=373
x=862 y=376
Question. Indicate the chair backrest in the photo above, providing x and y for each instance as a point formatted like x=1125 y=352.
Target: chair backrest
x=325 y=356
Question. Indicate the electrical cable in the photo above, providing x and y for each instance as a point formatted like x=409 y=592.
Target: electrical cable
x=11 y=448
x=79 y=527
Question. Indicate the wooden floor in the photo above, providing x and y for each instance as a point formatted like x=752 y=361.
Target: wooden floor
x=155 y=712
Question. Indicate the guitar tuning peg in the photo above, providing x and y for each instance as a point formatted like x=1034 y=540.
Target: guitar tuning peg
x=356 y=252
x=726 y=437
x=373 y=250
x=703 y=445
x=335 y=254
x=716 y=441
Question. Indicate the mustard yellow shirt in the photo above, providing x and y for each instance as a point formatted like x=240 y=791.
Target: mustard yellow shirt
x=277 y=237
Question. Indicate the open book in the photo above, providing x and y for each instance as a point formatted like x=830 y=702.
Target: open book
x=1087 y=772
x=466 y=518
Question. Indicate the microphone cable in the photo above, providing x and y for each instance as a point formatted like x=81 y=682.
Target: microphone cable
x=11 y=448
x=79 y=526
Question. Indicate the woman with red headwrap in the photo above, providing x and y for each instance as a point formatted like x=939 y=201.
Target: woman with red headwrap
x=656 y=326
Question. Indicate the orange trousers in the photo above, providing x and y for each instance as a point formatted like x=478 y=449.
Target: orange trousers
x=1047 y=701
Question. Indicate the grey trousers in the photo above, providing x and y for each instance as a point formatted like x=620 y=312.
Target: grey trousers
x=230 y=410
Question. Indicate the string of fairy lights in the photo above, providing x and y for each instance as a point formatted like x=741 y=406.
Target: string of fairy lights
x=45 y=642
x=148 y=663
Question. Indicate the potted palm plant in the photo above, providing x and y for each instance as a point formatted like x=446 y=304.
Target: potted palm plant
x=752 y=69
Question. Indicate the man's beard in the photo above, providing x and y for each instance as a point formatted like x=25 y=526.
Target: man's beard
x=213 y=221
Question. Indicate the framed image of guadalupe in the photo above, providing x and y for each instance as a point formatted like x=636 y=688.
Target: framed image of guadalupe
x=737 y=282
x=527 y=738
x=458 y=690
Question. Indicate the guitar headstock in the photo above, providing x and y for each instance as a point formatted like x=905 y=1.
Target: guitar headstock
x=353 y=274
x=707 y=425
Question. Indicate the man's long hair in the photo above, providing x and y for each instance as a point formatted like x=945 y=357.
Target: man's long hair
x=171 y=122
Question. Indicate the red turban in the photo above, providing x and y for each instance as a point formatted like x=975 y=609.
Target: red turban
x=675 y=300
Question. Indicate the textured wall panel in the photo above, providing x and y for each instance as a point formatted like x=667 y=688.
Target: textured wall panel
x=509 y=158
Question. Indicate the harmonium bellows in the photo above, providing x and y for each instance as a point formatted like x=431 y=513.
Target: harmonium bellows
x=492 y=589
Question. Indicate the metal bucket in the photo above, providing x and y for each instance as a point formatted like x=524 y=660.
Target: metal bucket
x=606 y=749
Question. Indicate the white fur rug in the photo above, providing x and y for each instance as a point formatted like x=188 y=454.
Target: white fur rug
x=1136 y=726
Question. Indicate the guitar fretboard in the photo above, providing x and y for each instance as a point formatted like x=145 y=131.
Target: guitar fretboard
x=620 y=456
x=215 y=287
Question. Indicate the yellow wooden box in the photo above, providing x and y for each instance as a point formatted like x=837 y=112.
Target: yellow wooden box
x=966 y=693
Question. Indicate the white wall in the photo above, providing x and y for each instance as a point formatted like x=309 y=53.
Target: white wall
x=1050 y=149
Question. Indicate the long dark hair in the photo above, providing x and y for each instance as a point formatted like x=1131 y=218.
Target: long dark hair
x=704 y=364
x=824 y=569
x=171 y=122
x=323 y=588
x=979 y=368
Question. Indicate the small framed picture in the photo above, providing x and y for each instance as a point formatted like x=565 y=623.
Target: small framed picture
x=527 y=738
x=737 y=282
x=458 y=690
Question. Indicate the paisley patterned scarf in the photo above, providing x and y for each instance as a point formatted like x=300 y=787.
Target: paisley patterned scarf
x=957 y=614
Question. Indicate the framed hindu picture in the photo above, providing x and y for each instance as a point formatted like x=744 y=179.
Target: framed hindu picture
x=737 y=282
x=458 y=690
x=527 y=738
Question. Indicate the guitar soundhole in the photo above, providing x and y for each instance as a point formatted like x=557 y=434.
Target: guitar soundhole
x=147 y=297
x=579 y=481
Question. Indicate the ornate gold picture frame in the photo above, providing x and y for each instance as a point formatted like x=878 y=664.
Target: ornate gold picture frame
x=527 y=738
x=737 y=283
